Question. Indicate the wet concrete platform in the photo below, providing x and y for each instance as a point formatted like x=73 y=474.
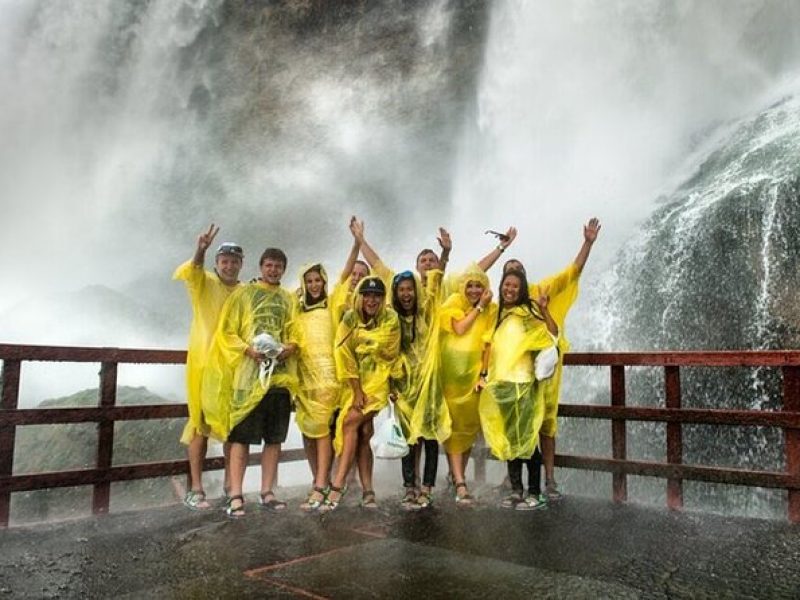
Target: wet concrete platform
x=579 y=548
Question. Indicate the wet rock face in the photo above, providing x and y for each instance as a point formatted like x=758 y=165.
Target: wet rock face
x=715 y=267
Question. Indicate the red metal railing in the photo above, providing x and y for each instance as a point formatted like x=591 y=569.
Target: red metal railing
x=673 y=470
x=105 y=414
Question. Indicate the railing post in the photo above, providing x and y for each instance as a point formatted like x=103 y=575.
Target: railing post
x=791 y=402
x=101 y=494
x=672 y=383
x=8 y=432
x=479 y=461
x=618 y=429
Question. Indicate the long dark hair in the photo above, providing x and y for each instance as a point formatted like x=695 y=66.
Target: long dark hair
x=524 y=298
x=405 y=343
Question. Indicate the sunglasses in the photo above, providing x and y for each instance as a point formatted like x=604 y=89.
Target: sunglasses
x=228 y=248
x=401 y=276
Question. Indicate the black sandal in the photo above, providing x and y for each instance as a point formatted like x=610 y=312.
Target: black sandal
x=273 y=505
x=465 y=500
x=238 y=512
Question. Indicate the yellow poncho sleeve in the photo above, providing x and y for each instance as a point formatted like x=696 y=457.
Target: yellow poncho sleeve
x=512 y=411
x=563 y=290
x=340 y=300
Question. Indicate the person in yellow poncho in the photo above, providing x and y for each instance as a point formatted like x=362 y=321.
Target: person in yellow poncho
x=562 y=288
x=466 y=319
x=319 y=387
x=512 y=401
x=341 y=297
x=422 y=411
x=207 y=293
x=251 y=376
x=366 y=349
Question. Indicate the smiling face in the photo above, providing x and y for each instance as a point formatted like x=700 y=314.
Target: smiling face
x=510 y=290
x=228 y=267
x=474 y=291
x=315 y=285
x=406 y=294
x=426 y=261
x=360 y=270
x=371 y=304
x=272 y=270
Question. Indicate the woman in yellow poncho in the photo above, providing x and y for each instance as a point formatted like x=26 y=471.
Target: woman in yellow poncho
x=366 y=350
x=563 y=291
x=422 y=411
x=466 y=319
x=320 y=389
x=512 y=401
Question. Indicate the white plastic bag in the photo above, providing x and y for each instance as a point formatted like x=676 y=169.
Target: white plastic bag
x=270 y=348
x=544 y=365
x=388 y=440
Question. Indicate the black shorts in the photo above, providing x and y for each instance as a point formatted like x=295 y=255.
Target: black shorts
x=268 y=421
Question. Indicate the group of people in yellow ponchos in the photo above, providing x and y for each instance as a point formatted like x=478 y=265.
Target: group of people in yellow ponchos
x=453 y=362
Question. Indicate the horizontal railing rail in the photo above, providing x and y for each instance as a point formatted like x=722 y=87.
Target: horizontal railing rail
x=106 y=413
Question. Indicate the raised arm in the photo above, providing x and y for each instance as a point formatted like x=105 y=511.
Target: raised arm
x=506 y=239
x=447 y=245
x=590 y=231
x=542 y=303
x=461 y=326
x=357 y=229
x=204 y=242
x=352 y=257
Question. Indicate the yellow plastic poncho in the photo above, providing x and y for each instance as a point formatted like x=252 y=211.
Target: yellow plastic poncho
x=231 y=384
x=460 y=365
x=207 y=295
x=512 y=403
x=563 y=290
x=367 y=352
x=319 y=388
x=421 y=407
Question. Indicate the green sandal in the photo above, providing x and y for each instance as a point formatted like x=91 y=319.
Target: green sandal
x=330 y=504
x=311 y=504
x=196 y=500
x=424 y=500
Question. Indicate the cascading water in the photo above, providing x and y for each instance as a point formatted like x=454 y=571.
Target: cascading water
x=128 y=126
x=677 y=124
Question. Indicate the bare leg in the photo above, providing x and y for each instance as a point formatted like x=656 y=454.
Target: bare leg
x=226 y=482
x=324 y=456
x=269 y=466
x=238 y=464
x=548 y=445
x=349 y=443
x=197 y=454
x=365 y=458
x=310 y=447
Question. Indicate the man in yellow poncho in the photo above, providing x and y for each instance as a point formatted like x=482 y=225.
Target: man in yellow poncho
x=467 y=319
x=341 y=297
x=563 y=291
x=251 y=376
x=366 y=350
x=207 y=293
x=512 y=400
